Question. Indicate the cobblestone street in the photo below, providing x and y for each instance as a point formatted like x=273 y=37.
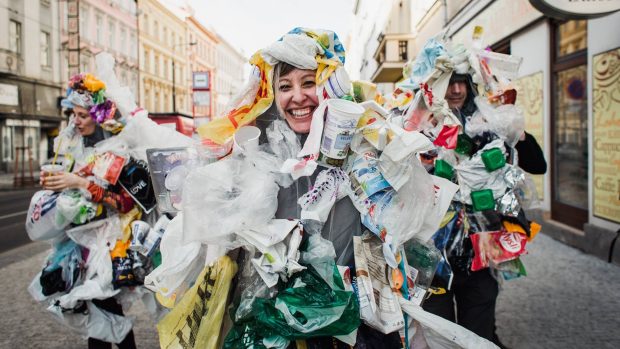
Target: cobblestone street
x=568 y=300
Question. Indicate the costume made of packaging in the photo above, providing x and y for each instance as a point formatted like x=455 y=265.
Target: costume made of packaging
x=94 y=263
x=485 y=226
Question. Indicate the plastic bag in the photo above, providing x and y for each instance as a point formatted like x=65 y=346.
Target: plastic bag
x=224 y=197
x=329 y=187
x=180 y=263
x=196 y=320
x=306 y=307
x=90 y=321
x=97 y=237
x=41 y=220
x=63 y=268
x=507 y=121
x=423 y=258
x=74 y=206
x=439 y=333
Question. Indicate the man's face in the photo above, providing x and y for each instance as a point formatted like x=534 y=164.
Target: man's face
x=456 y=94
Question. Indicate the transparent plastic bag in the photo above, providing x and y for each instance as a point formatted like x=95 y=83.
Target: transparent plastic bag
x=224 y=197
x=507 y=121
x=41 y=221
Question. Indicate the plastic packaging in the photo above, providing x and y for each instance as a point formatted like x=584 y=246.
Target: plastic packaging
x=225 y=197
x=41 y=220
x=423 y=257
x=195 y=322
x=492 y=248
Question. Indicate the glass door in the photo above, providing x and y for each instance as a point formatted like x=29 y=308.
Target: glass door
x=569 y=125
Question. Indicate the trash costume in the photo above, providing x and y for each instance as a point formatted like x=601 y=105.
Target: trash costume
x=93 y=271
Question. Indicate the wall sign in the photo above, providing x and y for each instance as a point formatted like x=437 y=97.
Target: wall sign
x=9 y=94
x=606 y=132
x=576 y=9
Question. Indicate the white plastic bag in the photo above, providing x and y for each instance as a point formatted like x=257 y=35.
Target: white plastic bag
x=439 y=333
x=180 y=262
x=94 y=322
x=41 y=223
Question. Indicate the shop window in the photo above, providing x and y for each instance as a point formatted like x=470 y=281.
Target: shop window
x=569 y=124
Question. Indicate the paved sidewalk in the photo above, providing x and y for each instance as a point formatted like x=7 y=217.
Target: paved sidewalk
x=568 y=300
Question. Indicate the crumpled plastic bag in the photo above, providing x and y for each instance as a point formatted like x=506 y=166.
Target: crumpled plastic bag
x=435 y=332
x=329 y=187
x=507 y=121
x=297 y=50
x=74 y=206
x=425 y=61
x=224 y=197
x=98 y=237
x=306 y=307
x=180 y=263
x=195 y=322
x=92 y=322
x=41 y=220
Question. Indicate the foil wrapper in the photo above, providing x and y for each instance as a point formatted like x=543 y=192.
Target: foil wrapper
x=508 y=204
x=514 y=177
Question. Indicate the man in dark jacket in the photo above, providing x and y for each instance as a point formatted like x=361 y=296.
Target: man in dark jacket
x=473 y=294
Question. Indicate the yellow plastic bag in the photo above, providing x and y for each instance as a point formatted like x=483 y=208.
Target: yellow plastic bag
x=196 y=320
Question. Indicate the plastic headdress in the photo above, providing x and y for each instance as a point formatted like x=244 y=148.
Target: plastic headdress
x=302 y=48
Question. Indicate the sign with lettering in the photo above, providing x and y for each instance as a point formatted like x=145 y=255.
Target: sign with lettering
x=201 y=80
x=576 y=9
x=606 y=132
x=530 y=100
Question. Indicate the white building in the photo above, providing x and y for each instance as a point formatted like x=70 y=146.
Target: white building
x=228 y=74
x=30 y=81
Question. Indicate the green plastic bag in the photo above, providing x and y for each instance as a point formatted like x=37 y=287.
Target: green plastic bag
x=306 y=307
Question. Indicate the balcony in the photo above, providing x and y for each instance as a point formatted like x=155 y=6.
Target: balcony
x=393 y=52
x=11 y=63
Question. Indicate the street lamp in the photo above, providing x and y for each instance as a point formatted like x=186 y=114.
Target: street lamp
x=174 y=90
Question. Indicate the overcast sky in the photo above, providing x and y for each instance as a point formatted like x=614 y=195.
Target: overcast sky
x=250 y=25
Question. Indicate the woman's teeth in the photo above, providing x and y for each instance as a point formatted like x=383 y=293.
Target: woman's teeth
x=300 y=113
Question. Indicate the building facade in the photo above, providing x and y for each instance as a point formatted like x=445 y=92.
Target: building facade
x=30 y=81
x=109 y=26
x=228 y=75
x=202 y=60
x=163 y=52
x=568 y=89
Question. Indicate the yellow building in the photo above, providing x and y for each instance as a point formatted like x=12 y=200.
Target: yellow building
x=163 y=54
x=202 y=59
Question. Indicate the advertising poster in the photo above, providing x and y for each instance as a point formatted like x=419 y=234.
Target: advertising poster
x=530 y=100
x=606 y=135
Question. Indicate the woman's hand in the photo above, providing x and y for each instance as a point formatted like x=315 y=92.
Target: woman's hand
x=63 y=180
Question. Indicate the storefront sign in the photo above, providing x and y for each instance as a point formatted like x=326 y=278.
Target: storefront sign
x=606 y=131
x=201 y=80
x=9 y=94
x=202 y=98
x=514 y=16
x=576 y=9
x=530 y=100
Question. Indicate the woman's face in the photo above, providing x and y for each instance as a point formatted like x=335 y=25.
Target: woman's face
x=83 y=121
x=296 y=98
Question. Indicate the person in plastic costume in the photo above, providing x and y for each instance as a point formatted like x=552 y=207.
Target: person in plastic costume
x=297 y=90
x=91 y=132
x=475 y=293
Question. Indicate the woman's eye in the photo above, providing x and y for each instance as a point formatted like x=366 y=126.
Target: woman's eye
x=284 y=87
x=309 y=83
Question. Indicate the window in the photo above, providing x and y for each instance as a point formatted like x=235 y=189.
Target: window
x=156 y=65
x=166 y=68
x=45 y=50
x=15 y=37
x=571 y=37
x=165 y=38
x=123 y=41
x=145 y=21
x=147 y=60
x=132 y=45
x=156 y=29
x=84 y=22
x=99 y=29
x=112 y=34
x=402 y=50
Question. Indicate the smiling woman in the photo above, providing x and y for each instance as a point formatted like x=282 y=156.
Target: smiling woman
x=295 y=96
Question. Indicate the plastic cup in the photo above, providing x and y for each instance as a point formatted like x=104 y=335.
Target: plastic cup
x=338 y=84
x=52 y=169
x=246 y=138
x=340 y=124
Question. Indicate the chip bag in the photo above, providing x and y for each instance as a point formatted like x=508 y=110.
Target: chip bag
x=492 y=248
